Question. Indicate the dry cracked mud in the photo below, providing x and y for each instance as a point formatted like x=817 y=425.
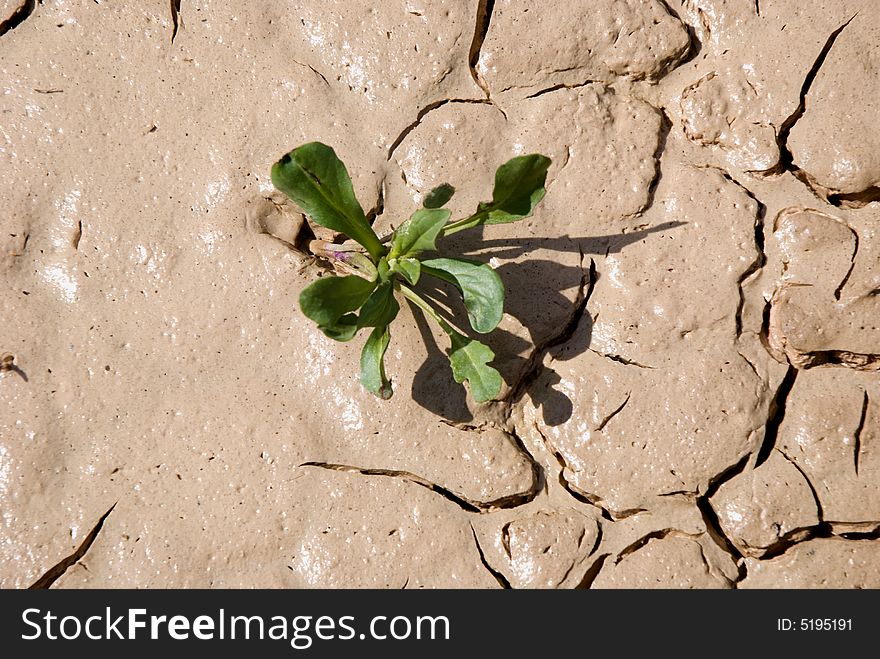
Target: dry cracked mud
x=691 y=343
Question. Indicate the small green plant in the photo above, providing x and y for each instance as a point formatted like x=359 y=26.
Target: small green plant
x=375 y=269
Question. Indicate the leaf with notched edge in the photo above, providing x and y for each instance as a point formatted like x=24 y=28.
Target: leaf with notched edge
x=470 y=361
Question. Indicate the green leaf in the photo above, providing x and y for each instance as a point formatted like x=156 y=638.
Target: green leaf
x=519 y=186
x=330 y=298
x=419 y=232
x=373 y=365
x=480 y=287
x=411 y=269
x=315 y=178
x=343 y=329
x=380 y=308
x=469 y=360
x=383 y=270
x=439 y=196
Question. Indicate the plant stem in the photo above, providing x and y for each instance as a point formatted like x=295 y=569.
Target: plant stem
x=423 y=304
x=466 y=223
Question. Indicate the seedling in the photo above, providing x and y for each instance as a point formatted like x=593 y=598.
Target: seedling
x=375 y=269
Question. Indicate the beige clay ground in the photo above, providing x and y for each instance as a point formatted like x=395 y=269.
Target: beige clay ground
x=692 y=342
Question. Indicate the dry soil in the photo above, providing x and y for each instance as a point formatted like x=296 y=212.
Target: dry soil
x=691 y=341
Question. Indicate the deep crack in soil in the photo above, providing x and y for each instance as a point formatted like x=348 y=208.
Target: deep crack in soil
x=786 y=160
x=57 y=571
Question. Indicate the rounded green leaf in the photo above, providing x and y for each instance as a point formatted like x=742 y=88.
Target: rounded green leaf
x=314 y=177
x=373 y=376
x=439 y=196
x=343 y=329
x=480 y=286
x=328 y=299
x=409 y=268
x=419 y=233
x=519 y=187
x=380 y=308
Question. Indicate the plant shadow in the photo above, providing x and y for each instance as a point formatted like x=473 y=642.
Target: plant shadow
x=545 y=318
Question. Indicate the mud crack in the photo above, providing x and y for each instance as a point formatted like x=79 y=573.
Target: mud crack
x=786 y=160
x=17 y=17
x=176 y=21
x=756 y=265
x=776 y=415
x=855 y=199
x=783 y=543
x=760 y=260
x=379 y=208
x=710 y=517
x=592 y=572
x=313 y=70
x=857 y=436
x=796 y=536
x=77 y=235
x=663 y=136
x=500 y=578
x=852 y=265
x=556 y=88
x=575 y=492
x=819 y=512
x=660 y=534
x=56 y=571
x=613 y=414
x=694 y=44
x=534 y=364
x=622 y=360
x=424 y=112
x=468 y=505
x=856 y=530
x=481 y=29
x=859 y=361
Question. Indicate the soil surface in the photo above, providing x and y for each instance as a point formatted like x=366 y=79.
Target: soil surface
x=691 y=344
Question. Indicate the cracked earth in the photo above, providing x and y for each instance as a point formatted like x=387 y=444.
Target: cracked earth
x=691 y=344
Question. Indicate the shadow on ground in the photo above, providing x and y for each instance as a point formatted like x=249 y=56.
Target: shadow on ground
x=534 y=292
